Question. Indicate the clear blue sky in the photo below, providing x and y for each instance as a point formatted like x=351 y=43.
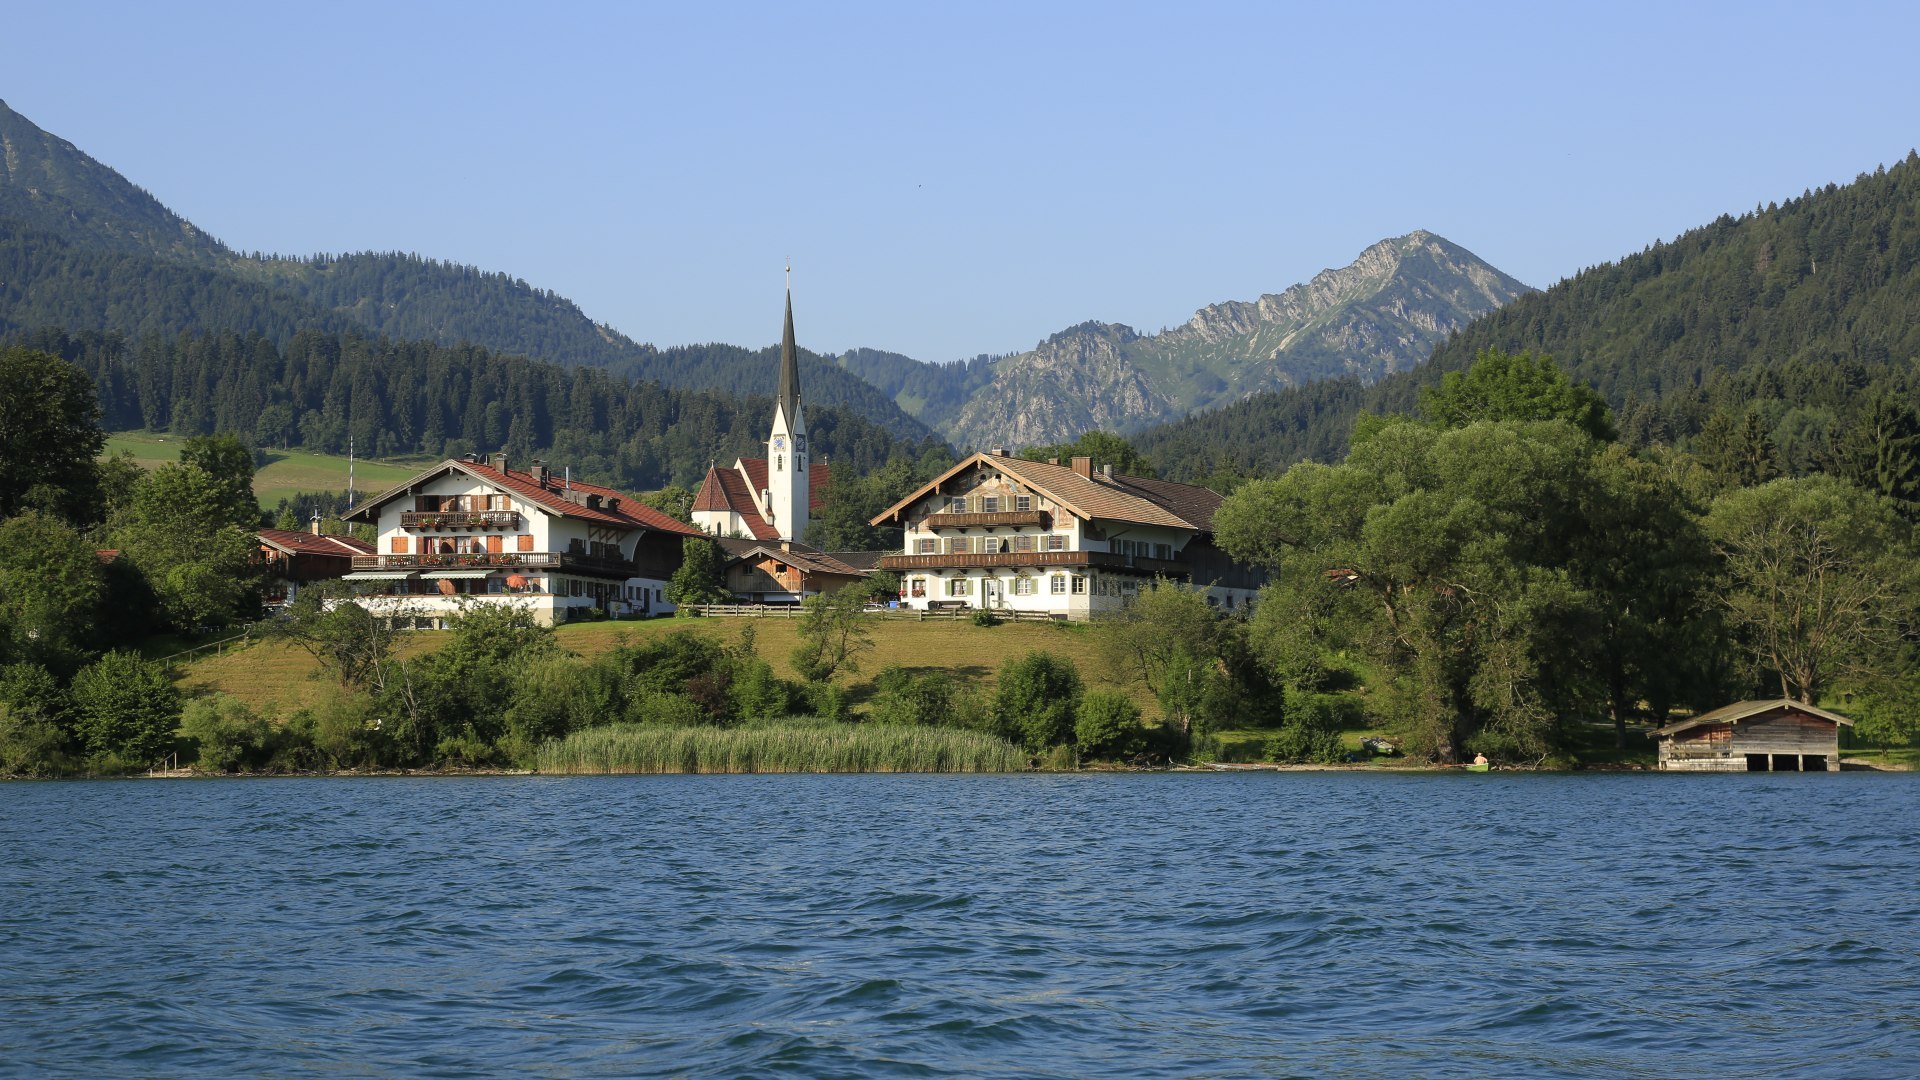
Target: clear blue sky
x=955 y=179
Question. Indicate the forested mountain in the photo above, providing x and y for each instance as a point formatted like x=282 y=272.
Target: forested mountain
x=400 y=398
x=930 y=393
x=1795 y=313
x=82 y=247
x=48 y=184
x=1383 y=313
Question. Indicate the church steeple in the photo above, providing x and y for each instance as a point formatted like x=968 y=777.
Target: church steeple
x=787 y=400
x=788 y=490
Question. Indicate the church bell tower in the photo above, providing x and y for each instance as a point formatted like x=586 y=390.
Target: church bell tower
x=787 y=450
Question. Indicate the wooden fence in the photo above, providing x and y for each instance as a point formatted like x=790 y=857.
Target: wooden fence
x=794 y=611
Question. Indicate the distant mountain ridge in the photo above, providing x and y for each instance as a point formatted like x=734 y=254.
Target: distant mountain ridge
x=1384 y=312
x=1794 y=313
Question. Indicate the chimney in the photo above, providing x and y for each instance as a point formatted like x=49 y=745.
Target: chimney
x=1107 y=470
x=499 y=461
x=1053 y=461
x=1083 y=466
x=315 y=523
x=997 y=451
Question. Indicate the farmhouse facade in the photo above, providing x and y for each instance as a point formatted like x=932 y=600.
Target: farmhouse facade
x=472 y=531
x=1071 y=540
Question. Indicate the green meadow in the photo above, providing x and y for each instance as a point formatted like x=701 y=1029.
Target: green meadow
x=286 y=472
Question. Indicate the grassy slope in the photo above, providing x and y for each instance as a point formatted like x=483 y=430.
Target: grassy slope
x=286 y=473
x=280 y=679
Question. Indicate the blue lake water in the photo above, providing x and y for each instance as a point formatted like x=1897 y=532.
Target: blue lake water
x=1174 y=925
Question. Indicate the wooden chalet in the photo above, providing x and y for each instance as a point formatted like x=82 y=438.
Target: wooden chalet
x=779 y=572
x=292 y=559
x=1754 y=736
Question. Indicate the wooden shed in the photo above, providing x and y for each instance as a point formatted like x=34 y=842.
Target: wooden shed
x=1782 y=735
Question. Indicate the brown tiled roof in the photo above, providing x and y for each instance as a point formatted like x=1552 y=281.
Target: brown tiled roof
x=799 y=556
x=305 y=543
x=861 y=560
x=1741 y=710
x=1133 y=499
x=551 y=494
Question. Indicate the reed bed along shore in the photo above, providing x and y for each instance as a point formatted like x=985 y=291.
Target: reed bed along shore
x=777 y=748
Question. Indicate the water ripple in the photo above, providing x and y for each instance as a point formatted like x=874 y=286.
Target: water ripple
x=1289 y=924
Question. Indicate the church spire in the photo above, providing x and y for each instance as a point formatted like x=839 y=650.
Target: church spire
x=788 y=399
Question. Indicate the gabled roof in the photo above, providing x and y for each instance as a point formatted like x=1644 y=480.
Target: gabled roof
x=1742 y=710
x=1132 y=499
x=799 y=556
x=727 y=491
x=305 y=543
x=550 y=495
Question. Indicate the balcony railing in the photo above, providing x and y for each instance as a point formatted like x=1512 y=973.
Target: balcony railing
x=1101 y=559
x=460 y=519
x=1014 y=518
x=536 y=560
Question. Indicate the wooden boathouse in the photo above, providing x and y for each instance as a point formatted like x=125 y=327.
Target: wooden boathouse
x=1782 y=735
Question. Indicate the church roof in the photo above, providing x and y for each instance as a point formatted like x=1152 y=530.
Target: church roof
x=728 y=491
x=787 y=399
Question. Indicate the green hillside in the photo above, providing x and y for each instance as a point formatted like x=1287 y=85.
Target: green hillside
x=286 y=473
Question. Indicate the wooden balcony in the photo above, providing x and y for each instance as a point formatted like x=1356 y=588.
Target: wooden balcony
x=1104 y=560
x=460 y=519
x=1012 y=518
x=596 y=565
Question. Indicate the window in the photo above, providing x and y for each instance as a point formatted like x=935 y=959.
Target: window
x=992 y=545
x=779 y=463
x=1023 y=586
x=495 y=544
x=1056 y=542
x=525 y=542
x=1079 y=585
x=990 y=504
x=960 y=586
x=1023 y=542
x=917 y=587
x=1059 y=585
x=957 y=545
x=1023 y=502
x=957 y=504
x=927 y=545
x=398 y=545
x=498 y=502
x=1163 y=551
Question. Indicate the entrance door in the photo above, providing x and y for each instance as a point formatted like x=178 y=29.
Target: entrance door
x=990 y=592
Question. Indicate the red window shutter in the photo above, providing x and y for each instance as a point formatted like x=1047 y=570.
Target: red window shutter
x=399 y=545
x=495 y=543
x=526 y=541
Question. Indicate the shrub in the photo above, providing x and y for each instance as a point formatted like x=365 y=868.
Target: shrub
x=664 y=709
x=30 y=743
x=229 y=735
x=985 y=617
x=125 y=708
x=1107 y=725
x=908 y=697
x=1299 y=744
x=1036 y=699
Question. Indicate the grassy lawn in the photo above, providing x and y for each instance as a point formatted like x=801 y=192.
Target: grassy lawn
x=286 y=473
x=279 y=678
